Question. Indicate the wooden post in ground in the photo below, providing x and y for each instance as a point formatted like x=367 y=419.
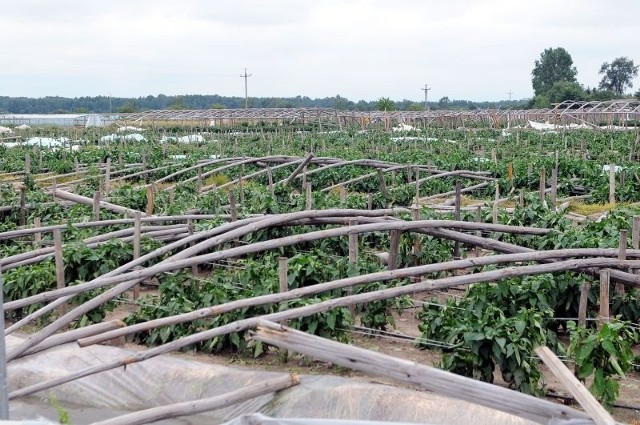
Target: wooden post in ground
x=612 y=184
x=232 y=206
x=60 y=281
x=494 y=155
x=353 y=262
x=510 y=172
x=369 y=201
x=199 y=180
x=270 y=179
x=479 y=219
x=241 y=190
x=417 y=187
x=194 y=268
x=599 y=415
x=543 y=183
x=604 y=297
x=151 y=195
x=283 y=280
x=622 y=255
x=456 y=216
x=394 y=248
x=584 y=300
x=308 y=196
x=22 y=220
x=343 y=194
x=383 y=183
x=635 y=232
x=554 y=188
x=96 y=205
x=136 y=247
x=107 y=177
x=494 y=211
x=37 y=237
x=27 y=164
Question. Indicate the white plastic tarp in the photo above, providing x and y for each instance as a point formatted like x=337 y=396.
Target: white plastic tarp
x=167 y=379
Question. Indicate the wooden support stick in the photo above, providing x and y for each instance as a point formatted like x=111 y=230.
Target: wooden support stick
x=353 y=262
x=604 y=297
x=60 y=281
x=297 y=171
x=37 y=237
x=241 y=190
x=192 y=407
x=22 y=220
x=584 y=300
x=612 y=184
x=456 y=216
x=232 y=206
x=622 y=255
x=107 y=178
x=308 y=195
x=96 y=205
x=27 y=164
x=343 y=194
x=270 y=180
x=543 y=184
x=408 y=372
x=383 y=183
x=599 y=415
x=151 y=195
x=136 y=248
x=394 y=247
x=635 y=232
x=554 y=188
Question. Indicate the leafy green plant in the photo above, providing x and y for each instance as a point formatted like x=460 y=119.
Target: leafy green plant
x=604 y=354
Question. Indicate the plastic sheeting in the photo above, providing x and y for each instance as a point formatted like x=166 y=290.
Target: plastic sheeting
x=259 y=419
x=115 y=137
x=166 y=379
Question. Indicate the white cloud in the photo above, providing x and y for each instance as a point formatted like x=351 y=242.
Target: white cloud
x=360 y=49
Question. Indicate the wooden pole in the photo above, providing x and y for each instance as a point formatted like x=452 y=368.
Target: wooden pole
x=383 y=183
x=270 y=180
x=612 y=184
x=554 y=188
x=353 y=263
x=394 y=248
x=37 y=237
x=192 y=407
x=96 y=205
x=107 y=177
x=241 y=190
x=622 y=255
x=22 y=220
x=543 y=184
x=232 y=206
x=599 y=415
x=415 y=374
x=584 y=300
x=604 y=297
x=136 y=248
x=151 y=195
x=27 y=164
x=60 y=280
x=635 y=232
x=308 y=196
x=456 y=216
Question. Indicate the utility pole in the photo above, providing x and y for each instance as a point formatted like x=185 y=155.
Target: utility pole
x=509 y=93
x=246 y=98
x=426 y=95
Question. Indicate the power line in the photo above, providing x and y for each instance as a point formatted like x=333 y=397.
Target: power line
x=246 y=97
x=509 y=93
x=426 y=93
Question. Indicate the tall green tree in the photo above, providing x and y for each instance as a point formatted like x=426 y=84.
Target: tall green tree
x=385 y=104
x=618 y=74
x=553 y=66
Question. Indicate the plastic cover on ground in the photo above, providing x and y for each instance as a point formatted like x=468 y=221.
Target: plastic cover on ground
x=167 y=379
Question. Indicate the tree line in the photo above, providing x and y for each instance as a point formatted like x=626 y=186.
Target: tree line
x=554 y=79
x=106 y=104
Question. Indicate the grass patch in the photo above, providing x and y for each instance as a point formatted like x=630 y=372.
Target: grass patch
x=588 y=209
x=218 y=179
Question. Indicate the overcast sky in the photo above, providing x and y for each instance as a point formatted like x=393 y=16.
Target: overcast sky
x=463 y=49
